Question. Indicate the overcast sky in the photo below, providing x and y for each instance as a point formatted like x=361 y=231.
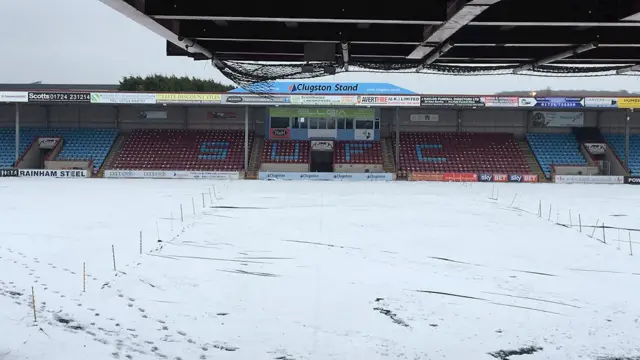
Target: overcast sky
x=84 y=41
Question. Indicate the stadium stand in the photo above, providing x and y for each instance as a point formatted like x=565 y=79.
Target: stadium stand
x=79 y=144
x=461 y=152
x=357 y=152
x=616 y=142
x=285 y=152
x=555 y=149
x=191 y=150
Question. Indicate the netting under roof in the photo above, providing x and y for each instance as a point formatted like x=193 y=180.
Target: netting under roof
x=256 y=77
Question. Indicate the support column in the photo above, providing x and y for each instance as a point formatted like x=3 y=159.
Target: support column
x=627 y=130
x=246 y=138
x=397 y=121
x=17 y=132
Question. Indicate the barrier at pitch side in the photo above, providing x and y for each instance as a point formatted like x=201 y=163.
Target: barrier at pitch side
x=471 y=177
x=588 y=179
x=325 y=176
x=160 y=174
x=45 y=173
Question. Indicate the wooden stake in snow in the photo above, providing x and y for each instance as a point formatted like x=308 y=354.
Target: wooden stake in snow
x=540 y=208
x=580 y=222
x=193 y=205
x=158 y=231
x=549 y=217
x=604 y=234
x=181 y=214
x=33 y=304
x=113 y=254
x=594 y=228
x=84 y=277
x=570 y=219
x=140 y=242
x=203 y=200
x=630 y=246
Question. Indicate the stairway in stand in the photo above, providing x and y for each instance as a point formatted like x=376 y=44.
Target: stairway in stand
x=388 y=160
x=113 y=153
x=531 y=160
x=255 y=157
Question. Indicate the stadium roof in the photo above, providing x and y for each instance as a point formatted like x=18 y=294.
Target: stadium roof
x=69 y=87
x=462 y=31
x=445 y=36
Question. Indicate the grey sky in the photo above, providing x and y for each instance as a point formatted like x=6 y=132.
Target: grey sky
x=84 y=41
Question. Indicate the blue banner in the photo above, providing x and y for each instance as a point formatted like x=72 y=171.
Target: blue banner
x=515 y=178
x=552 y=102
x=485 y=177
x=325 y=88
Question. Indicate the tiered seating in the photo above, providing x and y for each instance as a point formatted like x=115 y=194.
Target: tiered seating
x=357 y=152
x=191 y=150
x=285 y=152
x=616 y=142
x=461 y=152
x=555 y=149
x=79 y=144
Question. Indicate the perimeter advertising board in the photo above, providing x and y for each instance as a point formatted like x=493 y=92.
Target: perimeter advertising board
x=552 y=102
x=629 y=103
x=14 y=96
x=160 y=174
x=59 y=97
x=188 y=98
x=586 y=179
x=315 y=176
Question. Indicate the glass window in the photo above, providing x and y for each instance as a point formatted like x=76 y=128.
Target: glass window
x=331 y=123
x=322 y=123
x=364 y=124
x=299 y=123
x=279 y=123
x=348 y=124
x=341 y=123
x=377 y=125
x=313 y=123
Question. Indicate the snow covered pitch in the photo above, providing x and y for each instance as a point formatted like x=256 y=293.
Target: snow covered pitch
x=317 y=270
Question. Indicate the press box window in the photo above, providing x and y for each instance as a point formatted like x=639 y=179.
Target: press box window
x=364 y=124
x=279 y=123
x=300 y=122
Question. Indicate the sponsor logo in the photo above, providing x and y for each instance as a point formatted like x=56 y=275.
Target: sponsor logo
x=311 y=88
x=529 y=178
x=234 y=99
x=485 y=177
x=376 y=176
x=52 y=173
x=515 y=178
x=280 y=133
x=426 y=177
x=635 y=180
x=152 y=174
x=500 y=177
x=275 y=176
x=342 y=176
x=8 y=172
x=309 y=176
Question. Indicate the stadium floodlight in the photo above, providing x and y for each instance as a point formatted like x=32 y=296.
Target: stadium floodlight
x=563 y=55
x=435 y=56
x=628 y=69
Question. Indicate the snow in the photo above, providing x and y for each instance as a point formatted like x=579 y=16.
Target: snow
x=315 y=270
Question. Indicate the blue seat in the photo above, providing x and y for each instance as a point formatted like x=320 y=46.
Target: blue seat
x=79 y=144
x=555 y=149
x=616 y=142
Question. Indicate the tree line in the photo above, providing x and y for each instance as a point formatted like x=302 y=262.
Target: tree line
x=163 y=83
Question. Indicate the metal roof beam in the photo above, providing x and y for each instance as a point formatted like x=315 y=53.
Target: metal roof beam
x=142 y=19
x=459 y=14
x=565 y=54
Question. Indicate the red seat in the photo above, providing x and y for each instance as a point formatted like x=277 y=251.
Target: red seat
x=191 y=150
x=461 y=153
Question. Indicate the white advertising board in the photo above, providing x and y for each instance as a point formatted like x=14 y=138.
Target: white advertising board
x=48 y=173
x=325 y=176
x=162 y=174
x=586 y=179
